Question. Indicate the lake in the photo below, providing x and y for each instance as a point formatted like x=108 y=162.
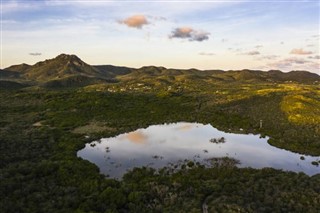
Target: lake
x=166 y=145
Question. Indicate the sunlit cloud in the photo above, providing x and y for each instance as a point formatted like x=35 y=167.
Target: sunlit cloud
x=185 y=127
x=137 y=137
x=189 y=33
x=300 y=52
x=136 y=21
x=183 y=32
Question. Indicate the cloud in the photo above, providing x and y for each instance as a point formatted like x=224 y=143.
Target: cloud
x=158 y=18
x=268 y=57
x=186 y=127
x=137 y=137
x=235 y=50
x=77 y=3
x=35 y=54
x=289 y=62
x=258 y=46
x=189 y=33
x=294 y=64
x=136 y=21
x=17 y=6
x=300 y=52
x=254 y=52
x=296 y=60
x=314 y=57
x=183 y=32
x=206 y=53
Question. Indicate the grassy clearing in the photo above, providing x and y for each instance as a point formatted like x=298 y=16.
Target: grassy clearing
x=93 y=127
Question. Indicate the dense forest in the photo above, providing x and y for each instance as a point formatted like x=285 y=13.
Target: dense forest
x=42 y=128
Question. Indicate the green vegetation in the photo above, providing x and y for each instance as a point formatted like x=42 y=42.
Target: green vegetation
x=41 y=130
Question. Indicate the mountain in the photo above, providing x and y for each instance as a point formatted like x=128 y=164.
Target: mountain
x=20 y=68
x=60 y=67
x=70 y=71
x=61 y=71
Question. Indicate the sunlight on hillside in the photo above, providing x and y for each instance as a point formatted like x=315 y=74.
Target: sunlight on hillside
x=283 y=88
x=301 y=109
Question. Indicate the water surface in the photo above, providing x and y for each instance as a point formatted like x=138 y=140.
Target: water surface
x=161 y=145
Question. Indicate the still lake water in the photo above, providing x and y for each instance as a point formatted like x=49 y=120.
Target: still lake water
x=161 y=145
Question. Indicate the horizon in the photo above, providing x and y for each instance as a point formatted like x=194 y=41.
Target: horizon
x=202 y=70
x=206 y=35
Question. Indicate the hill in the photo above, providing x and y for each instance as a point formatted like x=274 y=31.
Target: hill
x=61 y=71
x=60 y=67
x=20 y=68
x=70 y=71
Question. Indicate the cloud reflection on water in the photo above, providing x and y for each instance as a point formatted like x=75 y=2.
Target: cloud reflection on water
x=160 y=145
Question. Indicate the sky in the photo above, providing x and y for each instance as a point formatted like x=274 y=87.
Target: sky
x=211 y=34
